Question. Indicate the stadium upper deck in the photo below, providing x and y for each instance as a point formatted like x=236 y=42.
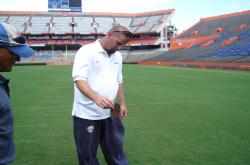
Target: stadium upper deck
x=56 y=36
x=224 y=38
x=37 y=25
x=222 y=24
x=225 y=26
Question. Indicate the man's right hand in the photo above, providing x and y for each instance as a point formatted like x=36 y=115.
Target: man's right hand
x=104 y=102
x=101 y=101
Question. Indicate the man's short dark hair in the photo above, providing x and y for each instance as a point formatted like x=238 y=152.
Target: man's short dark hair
x=121 y=29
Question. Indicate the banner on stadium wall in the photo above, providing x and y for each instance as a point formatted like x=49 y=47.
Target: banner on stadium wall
x=65 y=5
x=188 y=42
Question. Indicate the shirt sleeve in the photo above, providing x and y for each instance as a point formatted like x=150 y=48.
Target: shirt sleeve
x=81 y=65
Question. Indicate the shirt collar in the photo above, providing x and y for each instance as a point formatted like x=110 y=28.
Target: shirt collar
x=99 y=47
x=101 y=50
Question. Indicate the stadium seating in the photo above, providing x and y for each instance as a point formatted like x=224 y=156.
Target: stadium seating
x=19 y=21
x=84 y=25
x=228 y=40
x=124 y=21
x=50 y=33
x=104 y=24
x=38 y=25
x=208 y=26
x=138 y=55
x=61 y=25
x=57 y=36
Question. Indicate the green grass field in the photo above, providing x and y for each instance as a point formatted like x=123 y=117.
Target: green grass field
x=177 y=116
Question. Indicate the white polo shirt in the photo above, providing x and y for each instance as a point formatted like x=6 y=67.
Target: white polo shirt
x=102 y=73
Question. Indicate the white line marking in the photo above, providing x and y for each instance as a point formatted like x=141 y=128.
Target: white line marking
x=190 y=101
x=31 y=125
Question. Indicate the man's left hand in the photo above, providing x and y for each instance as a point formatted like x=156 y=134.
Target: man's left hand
x=123 y=111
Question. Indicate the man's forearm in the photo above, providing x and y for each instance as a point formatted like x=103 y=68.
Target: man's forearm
x=121 y=96
x=84 y=87
x=101 y=101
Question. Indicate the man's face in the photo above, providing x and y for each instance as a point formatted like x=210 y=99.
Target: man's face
x=115 y=42
x=7 y=59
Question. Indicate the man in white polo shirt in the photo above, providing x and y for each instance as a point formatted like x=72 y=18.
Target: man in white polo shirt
x=97 y=75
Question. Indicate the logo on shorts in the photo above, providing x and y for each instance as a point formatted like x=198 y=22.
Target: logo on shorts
x=90 y=129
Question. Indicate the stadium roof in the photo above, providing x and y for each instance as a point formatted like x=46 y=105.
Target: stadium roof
x=169 y=11
x=62 y=23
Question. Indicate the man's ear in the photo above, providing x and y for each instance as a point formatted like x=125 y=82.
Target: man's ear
x=109 y=34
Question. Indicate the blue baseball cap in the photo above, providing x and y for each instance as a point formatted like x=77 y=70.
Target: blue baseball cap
x=10 y=40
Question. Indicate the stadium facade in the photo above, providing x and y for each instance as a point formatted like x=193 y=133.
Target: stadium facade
x=215 y=42
x=57 y=35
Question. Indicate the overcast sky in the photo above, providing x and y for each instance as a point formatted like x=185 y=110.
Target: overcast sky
x=188 y=12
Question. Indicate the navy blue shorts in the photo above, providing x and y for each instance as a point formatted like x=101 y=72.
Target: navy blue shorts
x=108 y=133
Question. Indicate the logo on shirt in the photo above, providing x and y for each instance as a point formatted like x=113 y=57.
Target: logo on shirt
x=97 y=60
x=90 y=129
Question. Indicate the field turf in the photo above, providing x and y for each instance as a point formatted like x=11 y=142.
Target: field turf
x=177 y=116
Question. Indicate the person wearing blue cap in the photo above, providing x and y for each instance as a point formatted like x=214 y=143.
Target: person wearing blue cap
x=12 y=48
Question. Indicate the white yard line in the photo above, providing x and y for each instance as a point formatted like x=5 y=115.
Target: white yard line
x=31 y=125
x=189 y=101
